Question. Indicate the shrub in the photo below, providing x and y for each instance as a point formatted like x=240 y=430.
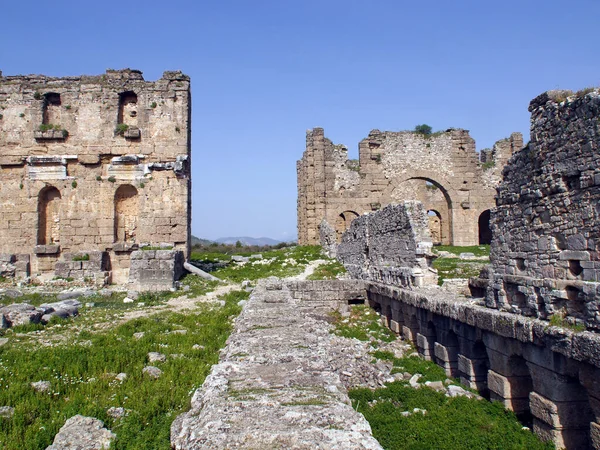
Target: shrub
x=153 y=105
x=85 y=257
x=423 y=129
x=121 y=129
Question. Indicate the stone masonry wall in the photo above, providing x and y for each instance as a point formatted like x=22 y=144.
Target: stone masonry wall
x=545 y=258
x=391 y=246
x=443 y=171
x=155 y=270
x=94 y=164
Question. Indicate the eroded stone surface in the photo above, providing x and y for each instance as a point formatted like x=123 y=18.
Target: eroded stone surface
x=82 y=433
x=279 y=383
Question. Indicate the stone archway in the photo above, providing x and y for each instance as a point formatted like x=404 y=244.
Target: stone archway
x=343 y=222
x=435 y=198
x=485 y=231
x=435 y=226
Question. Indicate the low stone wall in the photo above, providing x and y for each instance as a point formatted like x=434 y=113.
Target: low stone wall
x=392 y=246
x=14 y=266
x=277 y=384
x=155 y=270
x=546 y=373
x=84 y=266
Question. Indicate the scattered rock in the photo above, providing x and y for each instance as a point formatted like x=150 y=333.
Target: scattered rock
x=7 y=412
x=20 y=314
x=436 y=385
x=198 y=347
x=138 y=335
x=121 y=376
x=240 y=259
x=116 y=412
x=11 y=293
x=152 y=372
x=133 y=295
x=3 y=341
x=82 y=433
x=127 y=300
x=41 y=386
x=179 y=331
x=455 y=391
x=414 y=380
x=467 y=255
x=156 y=357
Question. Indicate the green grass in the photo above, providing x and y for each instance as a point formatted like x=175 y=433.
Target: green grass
x=414 y=364
x=450 y=423
x=327 y=271
x=82 y=373
x=363 y=324
x=453 y=267
x=280 y=263
x=477 y=250
x=557 y=320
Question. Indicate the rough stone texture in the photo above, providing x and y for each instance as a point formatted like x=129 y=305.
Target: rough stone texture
x=532 y=368
x=275 y=386
x=544 y=255
x=328 y=239
x=108 y=171
x=442 y=171
x=82 y=433
x=25 y=314
x=392 y=246
x=155 y=270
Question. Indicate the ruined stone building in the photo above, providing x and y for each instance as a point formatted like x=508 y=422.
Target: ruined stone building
x=442 y=170
x=545 y=253
x=94 y=169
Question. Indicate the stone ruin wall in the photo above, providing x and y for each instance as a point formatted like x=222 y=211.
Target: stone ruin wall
x=395 y=166
x=391 y=246
x=93 y=164
x=545 y=252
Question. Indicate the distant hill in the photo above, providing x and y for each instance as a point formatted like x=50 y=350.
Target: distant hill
x=200 y=241
x=245 y=240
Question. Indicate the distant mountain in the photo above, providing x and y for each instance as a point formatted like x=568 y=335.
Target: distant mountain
x=245 y=240
x=200 y=241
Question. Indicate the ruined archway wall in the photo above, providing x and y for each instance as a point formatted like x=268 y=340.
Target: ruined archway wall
x=329 y=184
x=86 y=158
x=546 y=234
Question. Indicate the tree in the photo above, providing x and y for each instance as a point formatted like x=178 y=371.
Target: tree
x=238 y=244
x=423 y=129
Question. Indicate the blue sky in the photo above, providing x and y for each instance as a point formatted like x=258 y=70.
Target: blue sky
x=265 y=71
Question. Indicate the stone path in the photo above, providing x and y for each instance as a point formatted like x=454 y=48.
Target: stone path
x=277 y=385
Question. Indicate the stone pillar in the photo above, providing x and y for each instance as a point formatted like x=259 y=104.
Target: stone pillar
x=425 y=344
x=560 y=408
x=447 y=357
x=513 y=391
x=589 y=377
x=473 y=372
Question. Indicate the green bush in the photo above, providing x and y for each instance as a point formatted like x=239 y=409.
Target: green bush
x=423 y=129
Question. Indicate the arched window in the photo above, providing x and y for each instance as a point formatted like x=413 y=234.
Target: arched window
x=485 y=232
x=343 y=223
x=126 y=213
x=48 y=216
x=435 y=226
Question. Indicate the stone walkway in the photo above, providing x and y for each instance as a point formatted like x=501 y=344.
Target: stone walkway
x=277 y=385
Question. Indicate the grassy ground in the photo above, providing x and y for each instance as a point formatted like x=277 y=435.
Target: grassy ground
x=451 y=266
x=284 y=262
x=456 y=423
x=82 y=371
x=328 y=271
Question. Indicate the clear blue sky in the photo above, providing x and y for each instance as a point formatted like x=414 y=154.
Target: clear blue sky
x=264 y=71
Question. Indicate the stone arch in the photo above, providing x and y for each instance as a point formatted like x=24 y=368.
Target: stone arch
x=128 y=109
x=126 y=213
x=343 y=222
x=48 y=216
x=485 y=231
x=434 y=195
x=436 y=226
